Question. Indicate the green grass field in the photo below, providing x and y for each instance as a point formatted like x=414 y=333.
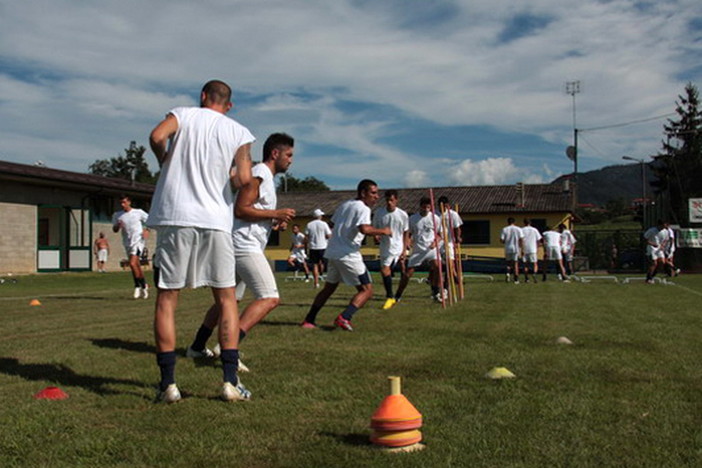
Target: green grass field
x=628 y=392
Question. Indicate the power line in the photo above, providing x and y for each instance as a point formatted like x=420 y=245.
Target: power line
x=580 y=130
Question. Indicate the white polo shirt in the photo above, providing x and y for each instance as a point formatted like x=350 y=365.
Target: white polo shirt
x=252 y=236
x=346 y=238
x=510 y=236
x=398 y=221
x=317 y=232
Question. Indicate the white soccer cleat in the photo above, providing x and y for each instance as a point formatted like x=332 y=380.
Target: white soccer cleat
x=137 y=292
x=217 y=350
x=236 y=392
x=145 y=292
x=170 y=395
x=241 y=367
x=204 y=353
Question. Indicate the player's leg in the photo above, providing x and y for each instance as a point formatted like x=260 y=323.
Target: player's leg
x=165 y=337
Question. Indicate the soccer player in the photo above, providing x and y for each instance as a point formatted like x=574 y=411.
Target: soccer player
x=511 y=236
x=530 y=247
x=352 y=222
x=392 y=247
x=568 y=245
x=318 y=234
x=193 y=210
x=424 y=229
x=131 y=222
x=670 y=252
x=553 y=252
x=656 y=244
x=297 y=251
x=255 y=215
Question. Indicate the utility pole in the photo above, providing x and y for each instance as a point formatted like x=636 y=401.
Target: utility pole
x=573 y=88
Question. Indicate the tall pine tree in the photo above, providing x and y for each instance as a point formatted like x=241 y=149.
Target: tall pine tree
x=678 y=168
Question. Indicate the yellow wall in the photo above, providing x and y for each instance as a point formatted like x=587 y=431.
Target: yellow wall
x=495 y=249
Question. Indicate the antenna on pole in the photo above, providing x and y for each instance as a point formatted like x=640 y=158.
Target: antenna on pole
x=573 y=88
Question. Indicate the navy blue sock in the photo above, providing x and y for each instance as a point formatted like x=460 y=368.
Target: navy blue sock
x=434 y=290
x=312 y=314
x=387 y=282
x=230 y=362
x=166 y=362
x=203 y=334
x=349 y=311
x=242 y=335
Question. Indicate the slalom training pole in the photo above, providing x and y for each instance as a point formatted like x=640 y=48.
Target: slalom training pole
x=459 y=266
x=451 y=242
x=436 y=243
x=447 y=255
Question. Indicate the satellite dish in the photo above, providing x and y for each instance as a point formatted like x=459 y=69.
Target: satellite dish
x=571 y=153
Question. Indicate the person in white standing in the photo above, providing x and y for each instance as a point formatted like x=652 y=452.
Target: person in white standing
x=298 y=256
x=453 y=222
x=318 y=234
x=424 y=232
x=256 y=214
x=511 y=236
x=352 y=222
x=553 y=252
x=394 y=246
x=530 y=249
x=131 y=222
x=657 y=238
x=568 y=246
x=670 y=252
x=203 y=155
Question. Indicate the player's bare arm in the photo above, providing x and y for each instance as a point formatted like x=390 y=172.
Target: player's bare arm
x=245 y=209
x=158 y=140
x=369 y=230
x=240 y=174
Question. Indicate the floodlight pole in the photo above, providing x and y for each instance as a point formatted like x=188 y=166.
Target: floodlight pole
x=642 y=162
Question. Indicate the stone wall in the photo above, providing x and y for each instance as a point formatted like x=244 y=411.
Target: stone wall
x=18 y=236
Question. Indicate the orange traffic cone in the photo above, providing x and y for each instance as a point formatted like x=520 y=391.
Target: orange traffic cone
x=34 y=302
x=51 y=393
x=396 y=422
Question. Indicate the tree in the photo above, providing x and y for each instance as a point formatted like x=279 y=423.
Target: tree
x=289 y=183
x=131 y=166
x=678 y=168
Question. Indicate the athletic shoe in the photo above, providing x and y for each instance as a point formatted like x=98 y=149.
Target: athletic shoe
x=204 y=353
x=342 y=323
x=516 y=281
x=170 y=395
x=308 y=325
x=307 y=280
x=389 y=303
x=241 y=367
x=137 y=292
x=217 y=350
x=145 y=292
x=238 y=392
x=677 y=271
x=507 y=278
x=649 y=281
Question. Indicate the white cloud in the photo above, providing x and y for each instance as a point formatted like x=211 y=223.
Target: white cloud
x=490 y=171
x=416 y=178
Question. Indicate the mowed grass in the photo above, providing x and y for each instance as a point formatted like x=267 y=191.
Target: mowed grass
x=628 y=392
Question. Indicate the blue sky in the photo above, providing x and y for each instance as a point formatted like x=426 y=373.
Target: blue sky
x=408 y=93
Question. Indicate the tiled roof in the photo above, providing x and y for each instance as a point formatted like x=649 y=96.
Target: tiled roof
x=543 y=198
x=40 y=175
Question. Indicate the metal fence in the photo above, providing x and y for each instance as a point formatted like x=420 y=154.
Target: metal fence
x=612 y=250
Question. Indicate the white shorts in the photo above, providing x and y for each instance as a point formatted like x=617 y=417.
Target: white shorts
x=136 y=248
x=389 y=260
x=568 y=255
x=530 y=258
x=349 y=270
x=512 y=256
x=298 y=255
x=194 y=257
x=554 y=253
x=102 y=255
x=253 y=269
x=420 y=257
x=655 y=253
x=451 y=251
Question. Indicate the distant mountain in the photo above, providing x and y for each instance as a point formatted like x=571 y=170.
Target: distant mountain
x=610 y=183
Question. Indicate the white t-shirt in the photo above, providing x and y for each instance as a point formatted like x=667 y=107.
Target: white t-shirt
x=552 y=239
x=510 y=236
x=567 y=241
x=298 y=244
x=422 y=231
x=453 y=221
x=671 y=241
x=132 y=225
x=252 y=236
x=531 y=239
x=398 y=221
x=346 y=238
x=194 y=187
x=317 y=234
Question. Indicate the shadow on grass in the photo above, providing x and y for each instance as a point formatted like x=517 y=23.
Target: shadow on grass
x=356 y=440
x=267 y=323
x=64 y=375
x=82 y=298
x=136 y=346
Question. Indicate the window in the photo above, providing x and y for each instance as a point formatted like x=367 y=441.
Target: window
x=476 y=232
x=539 y=223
